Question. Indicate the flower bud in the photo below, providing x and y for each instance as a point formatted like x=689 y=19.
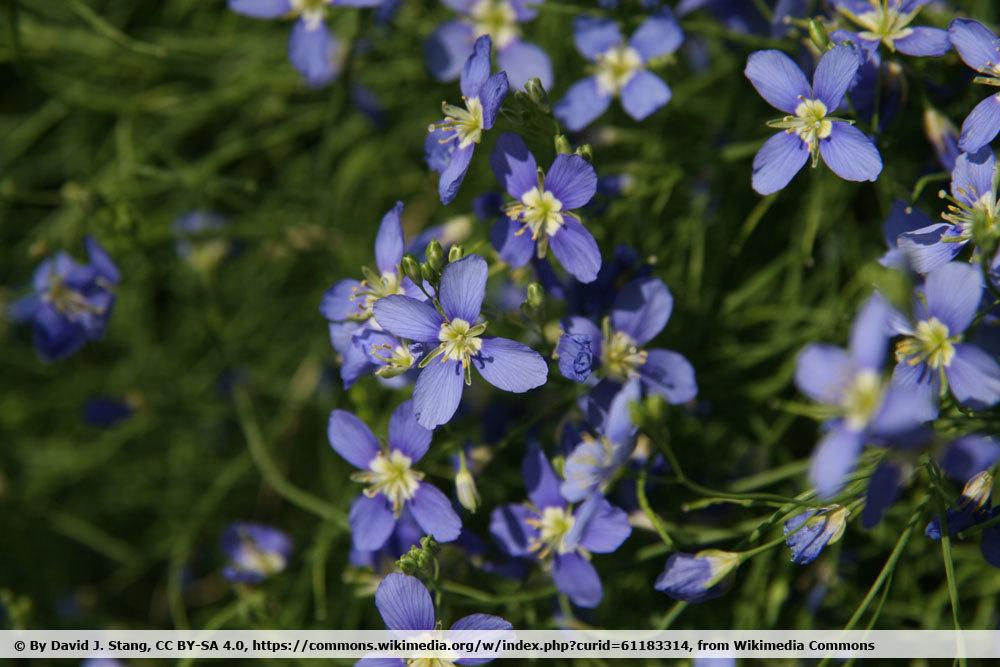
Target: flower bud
x=586 y=152
x=536 y=93
x=821 y=527
x=697 y=577
x=818 y=36
x=411 y=268
x=465 y=485
x=536 y=296
x=435 y=255
x=563 y=147
x=455 y=253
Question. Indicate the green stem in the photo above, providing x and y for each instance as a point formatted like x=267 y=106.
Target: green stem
x=949 y=567
x=653 y=517
x=484 y=597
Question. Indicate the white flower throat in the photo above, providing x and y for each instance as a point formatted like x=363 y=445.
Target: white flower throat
x=312 y=11
x=460 y=341
x=621 y=357
x=614 y=68
x=554 y=526
x=982 y=216
x=862 y=398
x=539 y=211
x=810 y=122
x=884 y=22
x=931 y=343
x=391 y=476
x=375 y=286
x=496 y=18
x=464 y=124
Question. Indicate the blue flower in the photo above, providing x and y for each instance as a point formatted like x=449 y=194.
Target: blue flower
x=405 y=604
x=452 y=41
x=542 y=215
x=811 y=531
x=617 y=349
x=594 y=461
x=71 y=302
x=392 y=484
x=973 y=508
x=451 y=142
x=454 y=336
x=406 y=534
x=106 y=412
x=558 y=534
x=197 y=239
x=969 y=455
x=255 y=552
x=978 y=46
x=809 y=130
x=746 y=17
x=697 y=577
x=312 y=48
x=973 y=207
x=943 y=135
x=348 y=306
x=933 y=355
x=887 y=22
x=863 y=406
x=620 y=68
x=902 y=219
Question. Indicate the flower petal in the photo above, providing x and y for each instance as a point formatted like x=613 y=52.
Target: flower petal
x=524 y=61
x=540 y=479
x=823 y=373
x=642 y=308
x=434 y=513
x=447 y=49
x=974 y=377
x=463 y=288
x=514 y=165
x=577 y=251
x=509 y=365
x=492 y=95
x=582 y=103
x=644 y=94
x=777 y=162
x=351 y=438
x=883 y=490
x=953 y=293
x=923 y=41
x=617 y=424
x=406 y=317
x=477 y=68
x=453 y=174
x=576 y=356
x=925 y=250
x=658 y=35
x=389 y=241
x=576 y=578
x=972 y=177
x=600 y=527
x=834 y=75
x=870 y=333
x=313 y=51
x=968 y=456
x=850 y=153
x=404 y=603
x=833 y=458
x=670 y=375
x=593 y=36
x=981 y=125
x=438 y=392
x=479 y=622
x=778 y=79
x=513 y=248
x=372 y=522
x=922 y=382
x=261 y=9
x=572 y=180
x=509 y=527
x=903 y=218
x=406 y=434
x=975 y=43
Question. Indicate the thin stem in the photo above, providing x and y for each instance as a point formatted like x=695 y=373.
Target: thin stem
x=949 y=567
x=653 y=517
x=484 y=597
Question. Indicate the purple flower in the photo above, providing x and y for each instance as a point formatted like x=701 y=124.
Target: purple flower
x=454 y=336
x=943 y=135
x=932 y=354
x=887 y=22
x=973 y=508
x=406 y=534
x=746 y=17
x=808 y=130
x=979 y=46
x=348 y=307
x=405 y=604
x=969 y=455
x=697 y=577
x=71 y=302
x=312 y=48
x=452 y=41
x=107 y=412
x=972 y=208
x=822 y=527
x=544 y=208
x=593 y=462
x=620 y=68
x=902 y=219
x=617 y=349
x=558 y=534
x=451 y=142
x=392 y=485
x=864 y=407
x=255 y=552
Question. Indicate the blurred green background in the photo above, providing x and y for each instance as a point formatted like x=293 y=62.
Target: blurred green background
x=117 y=117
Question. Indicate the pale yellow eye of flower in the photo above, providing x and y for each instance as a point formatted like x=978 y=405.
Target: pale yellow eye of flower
x=813 y=124
x=392 y=477
x=931 y=343
x=465 y=124
x=862 y=399
x=882 y=23
x=621 y=357
x=496 y=18
x=459 y=340
x=616 y=67
x=541 y=212
x=311 y=11
x=553 y=527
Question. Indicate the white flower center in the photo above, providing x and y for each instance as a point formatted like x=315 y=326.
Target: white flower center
x=251 y=558
x=620 y=355
x=616 y=67
x=391 y=477
x=375 y=286
x=459 y=340
x=312 y=11
x=813 y=124
x=540 y=212
x=67 y=300
x=553 y=529
x=862 y=399
x=931 y=343
x=982 y=216
x=882 y=23
x=496 y=18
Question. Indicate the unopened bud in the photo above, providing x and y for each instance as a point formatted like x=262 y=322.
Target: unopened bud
x=435 y=255
x=586 y=152
x=536 y=296
x=563 y=146
x=465 y=485
x=411 y=268
x=819 y=37
x=455 y=253
x=536 y=93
